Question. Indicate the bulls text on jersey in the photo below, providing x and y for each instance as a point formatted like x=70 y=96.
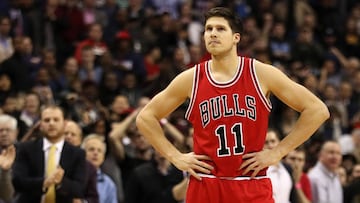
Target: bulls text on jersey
x=222 y=106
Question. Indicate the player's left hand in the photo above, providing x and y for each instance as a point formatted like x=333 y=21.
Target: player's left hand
x=256 y=161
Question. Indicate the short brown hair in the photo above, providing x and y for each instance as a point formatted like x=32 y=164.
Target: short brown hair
x=233 y=20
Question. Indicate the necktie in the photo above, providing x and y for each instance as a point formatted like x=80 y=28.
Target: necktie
x=50 y=168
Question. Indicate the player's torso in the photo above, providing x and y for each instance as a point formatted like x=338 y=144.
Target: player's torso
x=229 y=119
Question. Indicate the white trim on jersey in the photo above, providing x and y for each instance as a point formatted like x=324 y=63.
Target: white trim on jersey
x=194 y=90
x=225 y=84
x=262 y=96
x=232 y=178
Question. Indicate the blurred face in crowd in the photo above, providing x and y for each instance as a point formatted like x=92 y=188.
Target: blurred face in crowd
x=356 y=137
x=279 y=30
x=28 y=46
x=71 y=66
x=342 y=175
x=43 y=76
x=73 y=134
x=111 y=81
x=5 y=26
x=95 y=151
x=5 y=82
x=49 y=59
x=95 y=32
x=296 y=159
x=52 y=124
x=330 y=92
x=346 y=90
x=32 y=103
x=120 y=104
x=87 y=56
x=356 y=171
x=311 y=82
x=130 y=80
x=10 y=105
x=139 y=142
x=143 y=101
x=330 y=155
x=271 y=140
x=8 y=133
x=18 y=44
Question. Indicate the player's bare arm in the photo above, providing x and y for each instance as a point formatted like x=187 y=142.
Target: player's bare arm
x=161 y=106
x=313 y=112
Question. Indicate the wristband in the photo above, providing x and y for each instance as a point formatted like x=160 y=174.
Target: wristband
x=298 y=185
x=163 y=121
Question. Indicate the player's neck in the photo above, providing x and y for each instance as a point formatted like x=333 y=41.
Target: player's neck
x=224 y=63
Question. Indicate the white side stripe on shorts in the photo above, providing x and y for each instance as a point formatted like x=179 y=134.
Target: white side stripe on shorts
x=231 y=178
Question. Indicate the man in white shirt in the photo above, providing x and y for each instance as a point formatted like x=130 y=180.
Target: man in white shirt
x=325 y=182
x=279 y=175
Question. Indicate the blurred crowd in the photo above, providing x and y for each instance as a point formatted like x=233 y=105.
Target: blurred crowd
x=102 y=60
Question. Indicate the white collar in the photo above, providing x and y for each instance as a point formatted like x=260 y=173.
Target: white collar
x=47 y=144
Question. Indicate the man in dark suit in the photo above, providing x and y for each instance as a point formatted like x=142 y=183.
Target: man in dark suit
x=48 y=169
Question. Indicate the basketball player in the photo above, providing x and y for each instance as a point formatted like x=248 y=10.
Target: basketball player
x=229 y=109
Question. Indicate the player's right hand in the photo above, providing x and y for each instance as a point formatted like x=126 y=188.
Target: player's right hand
x=193 y=163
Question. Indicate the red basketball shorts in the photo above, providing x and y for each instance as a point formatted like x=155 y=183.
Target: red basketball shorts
x=229 y=190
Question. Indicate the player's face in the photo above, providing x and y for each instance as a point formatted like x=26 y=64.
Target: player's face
x=219 y=37
x=52 y=124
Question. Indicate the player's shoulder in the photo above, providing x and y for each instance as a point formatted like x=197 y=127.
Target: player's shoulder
x=188 y=73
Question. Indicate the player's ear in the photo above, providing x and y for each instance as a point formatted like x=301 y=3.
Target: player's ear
x=236 y=37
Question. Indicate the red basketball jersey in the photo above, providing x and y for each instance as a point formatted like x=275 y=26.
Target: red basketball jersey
x=229 y=118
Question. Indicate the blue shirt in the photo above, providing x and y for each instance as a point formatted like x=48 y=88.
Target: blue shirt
x=106 y=188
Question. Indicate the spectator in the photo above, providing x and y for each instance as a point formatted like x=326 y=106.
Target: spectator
x=351 y=191
x=68 y=26
x=131 y=88
x=93 y=40
x=91 y=14
x=68 y=74
x=279 y=45
x=29 y=114
x=6 y=87
x=95 y=148
x=17 y=68
x=125 y=57
x=8 y=137
x=341 y=172
x=325 y=182
x=350 y=144
x=129 y=147
x=296 y=159
x=49 y=167
x=307 y=49
x=156 y=181
x=280 y=175
x=109 y=88
x=31 y=59
x=73 y=135
x=6 y=47
x=88 y=69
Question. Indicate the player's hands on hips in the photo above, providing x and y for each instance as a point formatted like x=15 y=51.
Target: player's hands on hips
x=192 y=162
x=256 y=161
